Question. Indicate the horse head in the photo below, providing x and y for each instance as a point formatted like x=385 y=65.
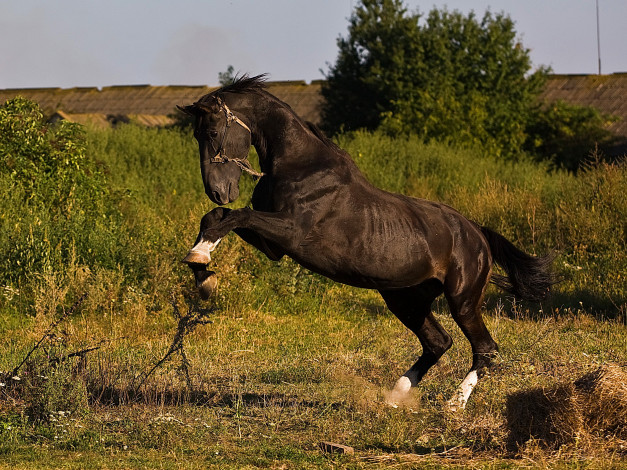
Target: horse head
x=223 y=142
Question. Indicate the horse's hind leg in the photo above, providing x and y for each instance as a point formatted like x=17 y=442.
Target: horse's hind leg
x=412 y=306
x=464 y=303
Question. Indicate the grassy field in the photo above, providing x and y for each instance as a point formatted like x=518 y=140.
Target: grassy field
x=280 y=359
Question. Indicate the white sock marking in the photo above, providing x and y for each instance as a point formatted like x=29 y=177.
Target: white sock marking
x=204 y=247
x=399 y=393
x=459 y=400
x=403 y=385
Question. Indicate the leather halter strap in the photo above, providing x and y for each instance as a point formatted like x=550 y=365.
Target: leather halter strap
x=220 y=156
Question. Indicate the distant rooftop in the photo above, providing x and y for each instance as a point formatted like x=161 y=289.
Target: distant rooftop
x=156 y=105
x=151 y=105
x=607 y=93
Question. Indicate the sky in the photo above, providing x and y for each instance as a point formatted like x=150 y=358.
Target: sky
x=93 y=43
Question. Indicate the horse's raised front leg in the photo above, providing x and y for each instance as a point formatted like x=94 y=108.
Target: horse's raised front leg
x=277 y=228
x=266 y=228
x=200 y=254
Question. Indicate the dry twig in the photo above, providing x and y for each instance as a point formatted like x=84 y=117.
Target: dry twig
x=46 y=335
x=186 y=324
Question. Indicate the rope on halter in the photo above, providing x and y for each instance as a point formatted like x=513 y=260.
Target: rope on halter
x=221 y=157
x=244 y=164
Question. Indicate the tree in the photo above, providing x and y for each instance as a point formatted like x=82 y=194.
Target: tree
x=371 y=65
x=227 y=77
x=450 y=77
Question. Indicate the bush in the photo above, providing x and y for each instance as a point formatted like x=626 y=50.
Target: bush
x=51 y=191
x=48 y=162
x=565 y=134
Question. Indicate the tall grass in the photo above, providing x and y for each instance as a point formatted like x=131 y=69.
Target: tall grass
x=291 y=358
x=153 y=199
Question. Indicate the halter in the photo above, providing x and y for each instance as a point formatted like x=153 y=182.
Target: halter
x=220 y=156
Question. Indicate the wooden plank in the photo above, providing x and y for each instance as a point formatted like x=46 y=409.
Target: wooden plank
x=333 y=448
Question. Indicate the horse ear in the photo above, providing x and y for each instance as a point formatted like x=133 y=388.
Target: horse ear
x=190 y=110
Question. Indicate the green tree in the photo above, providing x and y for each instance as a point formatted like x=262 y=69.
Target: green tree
x=372 y=65
x=450 y=77
x=227 y=77
x=566 y=134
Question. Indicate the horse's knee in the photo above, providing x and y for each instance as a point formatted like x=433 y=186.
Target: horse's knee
x=213 y=217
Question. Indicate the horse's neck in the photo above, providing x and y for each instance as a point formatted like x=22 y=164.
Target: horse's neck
x=280 y=137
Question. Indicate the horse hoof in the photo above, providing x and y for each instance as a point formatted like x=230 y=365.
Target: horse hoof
x=196 y=257
x=206 y=282
x=399 y=394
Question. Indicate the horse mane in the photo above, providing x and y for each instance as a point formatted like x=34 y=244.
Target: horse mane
x=244 y=84
x=257 y=84
x=315 y=130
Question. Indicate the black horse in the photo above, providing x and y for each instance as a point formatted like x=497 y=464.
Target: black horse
x=314 y=205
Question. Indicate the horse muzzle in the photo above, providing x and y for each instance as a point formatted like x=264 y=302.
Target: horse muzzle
x=222 y=194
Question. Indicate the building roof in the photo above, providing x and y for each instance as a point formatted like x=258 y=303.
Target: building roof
x=607 y=93
x=150 y=105
x=156 y=105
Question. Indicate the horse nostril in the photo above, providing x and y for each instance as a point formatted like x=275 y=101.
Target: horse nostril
x=217 y=198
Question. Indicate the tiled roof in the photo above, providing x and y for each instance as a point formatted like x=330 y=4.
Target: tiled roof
x=151 y=105
x=607 y=93
x=155 y=105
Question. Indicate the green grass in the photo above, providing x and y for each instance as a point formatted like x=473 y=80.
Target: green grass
x=291 y=359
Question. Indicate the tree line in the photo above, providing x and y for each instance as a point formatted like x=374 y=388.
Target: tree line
x=452 y=78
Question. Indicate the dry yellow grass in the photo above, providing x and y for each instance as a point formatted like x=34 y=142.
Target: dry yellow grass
x=587 y=415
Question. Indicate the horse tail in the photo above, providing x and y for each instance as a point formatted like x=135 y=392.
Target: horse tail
x=528 y=277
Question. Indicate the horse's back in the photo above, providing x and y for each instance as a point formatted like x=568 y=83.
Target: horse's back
x=374 y=238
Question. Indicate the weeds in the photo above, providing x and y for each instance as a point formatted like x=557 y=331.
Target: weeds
x=186 y=324
x=47 y=336
x=291 y=359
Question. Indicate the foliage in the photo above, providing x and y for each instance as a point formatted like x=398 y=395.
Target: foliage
x=453 y=79
x=373 y=65
x=565 y=133
x=133 y=233
x=227 y=77
x=50 y=189
x=48 y=162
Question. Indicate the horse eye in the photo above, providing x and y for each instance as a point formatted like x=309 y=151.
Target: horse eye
x=200 y=134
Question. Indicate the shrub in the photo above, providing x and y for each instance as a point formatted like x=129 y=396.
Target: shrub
x=565 y=134
x=48 y=162
x=52 y=192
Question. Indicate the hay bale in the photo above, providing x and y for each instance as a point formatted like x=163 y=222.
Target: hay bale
x=547 y=415
x=582 y=412
x=603 y=394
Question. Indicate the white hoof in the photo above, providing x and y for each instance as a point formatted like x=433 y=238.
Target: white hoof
x=399 y=393
x=460 y=398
